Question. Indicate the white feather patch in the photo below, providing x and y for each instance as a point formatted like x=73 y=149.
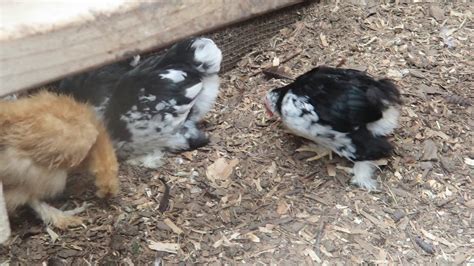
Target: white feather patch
x=207 y=52
x=151 y=160
x=386 y=124
x=193 y=91
x=363 y=172
x=207 y=97
x=147 y=98
x=174 y=75
x=299 y=116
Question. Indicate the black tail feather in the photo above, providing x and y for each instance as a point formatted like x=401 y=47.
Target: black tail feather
x=370 y=147
x=386 y=90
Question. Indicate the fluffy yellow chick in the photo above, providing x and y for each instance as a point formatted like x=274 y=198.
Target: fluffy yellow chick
x=43 y=138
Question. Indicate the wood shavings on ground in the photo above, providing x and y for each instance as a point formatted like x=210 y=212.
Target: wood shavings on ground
x=165 y=247
x=265 y=204
x=219 y=172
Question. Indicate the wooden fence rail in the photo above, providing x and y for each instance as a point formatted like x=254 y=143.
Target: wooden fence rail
x=42 y=41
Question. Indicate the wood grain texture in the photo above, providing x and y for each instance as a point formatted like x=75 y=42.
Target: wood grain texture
x=4 y=223
x=35 y=56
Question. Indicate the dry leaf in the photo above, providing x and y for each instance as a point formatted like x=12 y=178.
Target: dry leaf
x=129 y=262
x=309 y=252
x=416 y=73
x=381 y=162
x=395 y=74
x=398 y=28
x=382 y=255
x=197 y=245
x=430 y=151
x=437 y=239
x=165 y=247
x=383 y=225
x=469 y=161
x=221 y=170
x=252 y=237
x=459 y=14
x=398 y=175
x=430 y=89
x=436 y=12
x=268 y=229
x=373 y=39
x=325 y=252
x=411 y=113
x=341 y=229
x=173 y=226
x=272 y=170
x=470 y=204
x=275 y=61
x=277 y=72
x=224 y=241
x=258 y=185
x=331 y=170
x=282 y=208
x=417 y=60
x=324 y=41
x=52 y=234
x=431 y=133
x=188 y=155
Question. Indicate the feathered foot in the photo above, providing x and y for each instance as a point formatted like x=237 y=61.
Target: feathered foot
x=363 y=172
x=153 y=160
x=320 y=151
x=55 y=217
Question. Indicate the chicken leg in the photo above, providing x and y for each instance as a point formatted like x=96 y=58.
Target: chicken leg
x=57 y=218
x=319 y=150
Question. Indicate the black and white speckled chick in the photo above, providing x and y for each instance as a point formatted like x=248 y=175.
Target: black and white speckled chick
x=344 y=110
x=97 y=86
x=155 y=104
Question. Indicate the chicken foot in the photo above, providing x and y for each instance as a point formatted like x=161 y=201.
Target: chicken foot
x=320 y=151
x=55 y=217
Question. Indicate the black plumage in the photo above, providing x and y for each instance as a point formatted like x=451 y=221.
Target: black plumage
x=155 y=104
x=345 y=110
x=94 y=87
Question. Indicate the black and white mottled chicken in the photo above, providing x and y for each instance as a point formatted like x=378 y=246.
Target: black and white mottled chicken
x=97 y=86
x=344 y=110
x=155 y=104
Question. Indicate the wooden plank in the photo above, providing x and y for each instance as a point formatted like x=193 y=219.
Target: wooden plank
x=36 y=53
x=4 y=223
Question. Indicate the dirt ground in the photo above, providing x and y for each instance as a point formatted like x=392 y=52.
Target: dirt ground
x=250 y=198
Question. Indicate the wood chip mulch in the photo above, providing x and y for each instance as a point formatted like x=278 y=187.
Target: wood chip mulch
x=250 y=198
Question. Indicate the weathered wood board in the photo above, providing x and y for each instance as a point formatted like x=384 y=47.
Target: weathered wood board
x=42 y=41
x=4 y=223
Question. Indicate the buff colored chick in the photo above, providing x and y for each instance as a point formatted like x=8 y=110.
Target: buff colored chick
x=43 y=138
